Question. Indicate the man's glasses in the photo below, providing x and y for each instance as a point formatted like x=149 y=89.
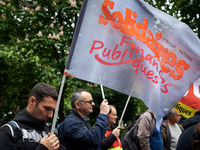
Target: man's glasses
x=90 y=101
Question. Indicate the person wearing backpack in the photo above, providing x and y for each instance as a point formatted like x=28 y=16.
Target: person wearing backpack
x=111 y=140
x=143 y=135
x=149 y=136
x=29 y=130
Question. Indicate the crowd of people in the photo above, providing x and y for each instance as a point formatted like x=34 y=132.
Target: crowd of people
x=29 y=129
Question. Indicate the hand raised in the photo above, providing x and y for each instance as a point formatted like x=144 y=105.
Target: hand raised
x=116 y=131
x=104 y=108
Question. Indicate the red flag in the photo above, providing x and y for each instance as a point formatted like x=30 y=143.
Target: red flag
x=190 y=102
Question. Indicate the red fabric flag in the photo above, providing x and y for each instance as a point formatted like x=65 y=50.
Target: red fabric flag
x=190 y=102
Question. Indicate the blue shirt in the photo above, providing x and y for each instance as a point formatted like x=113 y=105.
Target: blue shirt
x=156 y=142
x=76 y=136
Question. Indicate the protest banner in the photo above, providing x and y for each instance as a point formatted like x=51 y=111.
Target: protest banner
x=190 y=102
x=137 y=50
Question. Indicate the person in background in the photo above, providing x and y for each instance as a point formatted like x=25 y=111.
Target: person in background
x=196 y=135
x=149 y=136
x=186 y=138
x=75 y=132
x=111 y=140
x=171 y=130
x=34 y=133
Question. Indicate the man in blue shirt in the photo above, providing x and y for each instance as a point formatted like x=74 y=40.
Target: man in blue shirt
x=75 y=132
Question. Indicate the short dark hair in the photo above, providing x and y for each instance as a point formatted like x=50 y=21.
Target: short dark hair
x=42 y=90
x=77 y=96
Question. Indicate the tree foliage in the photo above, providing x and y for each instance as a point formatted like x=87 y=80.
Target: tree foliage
x=186 y=11
x=40 y=32
x=19 y=71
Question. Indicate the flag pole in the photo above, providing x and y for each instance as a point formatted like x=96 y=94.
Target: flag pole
x=102 y=92
x=124 y=110
x=58 y=103
x=103 y=96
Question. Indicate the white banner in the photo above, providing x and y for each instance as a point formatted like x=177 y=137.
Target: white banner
x=135 y=49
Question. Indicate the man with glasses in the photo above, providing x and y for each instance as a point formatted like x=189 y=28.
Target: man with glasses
x=75 y=132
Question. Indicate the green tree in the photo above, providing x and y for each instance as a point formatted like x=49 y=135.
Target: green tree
x=16 y=70
x=44 y=30
x=186 y=11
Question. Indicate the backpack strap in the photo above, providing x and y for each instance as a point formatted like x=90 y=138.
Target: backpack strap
x=153 y=119
x=14 y=129
x=72 y=116
x=152 y=115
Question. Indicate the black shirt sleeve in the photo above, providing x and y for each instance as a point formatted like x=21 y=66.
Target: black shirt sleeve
x=108 y=141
